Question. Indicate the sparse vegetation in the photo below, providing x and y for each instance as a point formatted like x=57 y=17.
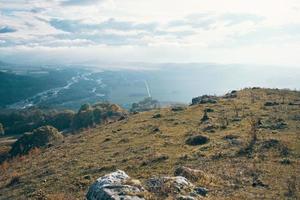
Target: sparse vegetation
x=223 y=119
x=270 y=172
x=292 y=188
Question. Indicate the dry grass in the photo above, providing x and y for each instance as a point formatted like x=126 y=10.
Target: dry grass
x=67 y=170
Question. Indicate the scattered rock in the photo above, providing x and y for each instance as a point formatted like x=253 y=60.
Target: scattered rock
x=296 y=103
x=156 y=116
x=205 y=117
x=167 y=185
x=182 y=197
x=208 y=127
x=155 y=129
x=121 y=118
x=177 y=187
x=204 y=99
x=271 y=103
x=296 y=117
x=40 y=137
x=197 y=140
x=276 y=145
x=115 y=186
x=236 y=119
x=191 y=174
x=286 y=161
x=232 y=139
x=15 y=180
x=257 y=182
x=124 y=140
x=209 y=110
x=201 y=190
x=106 y=140
x=230 y=95
x=155 y=159
x=255 y=88
x=274 y=124
x=177 y=108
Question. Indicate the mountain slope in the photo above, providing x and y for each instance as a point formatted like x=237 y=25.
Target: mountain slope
x=147 y=144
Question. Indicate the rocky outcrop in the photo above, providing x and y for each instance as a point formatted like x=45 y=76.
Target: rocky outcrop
x=204 y=99
x=115 y=186
x=118 y=185
x=190 y=174
x=99 y=113
x=40 y=137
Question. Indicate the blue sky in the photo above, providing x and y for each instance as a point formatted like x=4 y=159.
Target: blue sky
x=260 y=32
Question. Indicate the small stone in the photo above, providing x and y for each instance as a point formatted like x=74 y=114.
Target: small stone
x=201 y=191
x=156 y=116
x=197 y=140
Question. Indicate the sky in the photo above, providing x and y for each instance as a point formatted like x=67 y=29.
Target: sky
x=258 y=32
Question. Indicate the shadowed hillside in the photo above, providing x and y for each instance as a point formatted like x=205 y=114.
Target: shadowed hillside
x=246 y=143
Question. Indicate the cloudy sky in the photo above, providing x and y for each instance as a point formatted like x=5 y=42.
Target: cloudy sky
x=262 y=32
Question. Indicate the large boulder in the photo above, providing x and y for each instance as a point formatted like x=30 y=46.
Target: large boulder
x=40 y=137
x=115 y=186
x=204 y=99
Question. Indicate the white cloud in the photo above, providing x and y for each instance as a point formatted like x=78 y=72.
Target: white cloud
x=260 y=32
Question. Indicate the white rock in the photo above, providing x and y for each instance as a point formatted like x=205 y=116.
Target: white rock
x=114 y=187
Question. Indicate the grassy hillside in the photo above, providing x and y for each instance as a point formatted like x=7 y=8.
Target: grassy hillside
x=236 y=166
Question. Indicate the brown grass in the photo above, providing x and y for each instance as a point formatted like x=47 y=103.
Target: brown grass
x=71 y=167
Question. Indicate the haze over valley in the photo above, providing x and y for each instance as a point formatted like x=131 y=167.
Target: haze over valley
x=71 y=86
